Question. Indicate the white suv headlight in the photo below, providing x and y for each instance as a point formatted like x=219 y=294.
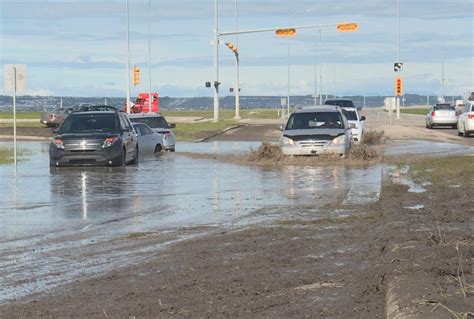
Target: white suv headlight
x=287 y=141
x=339 y=140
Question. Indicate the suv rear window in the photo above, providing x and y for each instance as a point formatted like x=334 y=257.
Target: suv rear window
x=153 y=122
x=341 y=103
x=315 y=120
x=80 y=123
x=443 y=107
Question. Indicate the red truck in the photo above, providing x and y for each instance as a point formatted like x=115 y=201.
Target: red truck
x=141 y=104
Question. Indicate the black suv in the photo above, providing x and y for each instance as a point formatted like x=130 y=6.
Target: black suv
x=94 y=138
x=340 y=102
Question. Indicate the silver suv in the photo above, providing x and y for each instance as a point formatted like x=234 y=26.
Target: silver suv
x=158 y=123
x=317 y=130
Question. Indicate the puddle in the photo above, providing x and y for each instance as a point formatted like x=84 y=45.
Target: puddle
x=415 y=207
x=399 y=175
x=419 y=147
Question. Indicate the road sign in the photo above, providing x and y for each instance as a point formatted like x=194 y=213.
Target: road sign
x=9 y=71
x=347 y=27
x=397 y=66
x=290 y=32
x=398 y=86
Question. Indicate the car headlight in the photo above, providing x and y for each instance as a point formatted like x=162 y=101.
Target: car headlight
x=58 y=143
x=109 y=141
x=287 y=141
x=339 y=140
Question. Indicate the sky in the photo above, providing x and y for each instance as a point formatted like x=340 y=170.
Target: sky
x=78 y=48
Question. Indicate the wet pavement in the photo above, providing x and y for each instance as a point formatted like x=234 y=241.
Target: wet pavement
x=61 y=224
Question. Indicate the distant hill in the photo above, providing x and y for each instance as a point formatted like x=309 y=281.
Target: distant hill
x=38 y=103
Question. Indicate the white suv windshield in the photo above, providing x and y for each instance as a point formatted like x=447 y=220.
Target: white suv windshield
x=315 y=120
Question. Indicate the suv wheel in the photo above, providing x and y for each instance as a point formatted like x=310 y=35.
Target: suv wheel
x=158 y=148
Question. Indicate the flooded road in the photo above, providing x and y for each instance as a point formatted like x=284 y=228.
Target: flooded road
x=60 y=225
x=57 y=225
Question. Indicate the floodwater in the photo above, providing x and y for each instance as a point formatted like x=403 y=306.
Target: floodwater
x=61 y=224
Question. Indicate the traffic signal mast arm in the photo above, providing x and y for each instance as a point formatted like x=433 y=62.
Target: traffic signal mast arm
x=313 y=26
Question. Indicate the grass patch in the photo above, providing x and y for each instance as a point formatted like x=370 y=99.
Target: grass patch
x=226 y=114
x=195 y=131
x=445 y=171
x=413 y=111
x=21 y=115
x=6 y=155
x=21 y=124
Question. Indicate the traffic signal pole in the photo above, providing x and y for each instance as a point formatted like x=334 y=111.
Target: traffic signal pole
x=398 y=57
x=216 y=61
x=127 y=103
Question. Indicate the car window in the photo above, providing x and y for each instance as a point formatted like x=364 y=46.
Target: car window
x=315 y=120
x=341 y=103
x=351 y=115
x=153 y=122
x=123 y=122
x=89 y=122
x=147 y=129
x=443 y=107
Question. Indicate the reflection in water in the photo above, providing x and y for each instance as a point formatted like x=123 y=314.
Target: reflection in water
x=84 y=195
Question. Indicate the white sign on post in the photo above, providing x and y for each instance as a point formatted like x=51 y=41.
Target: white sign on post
x=9 y=71
x=14 y=80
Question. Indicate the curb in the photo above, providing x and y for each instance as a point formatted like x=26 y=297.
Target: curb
x=220 y=133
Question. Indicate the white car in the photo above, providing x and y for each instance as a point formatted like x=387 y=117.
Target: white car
x=158 y=123
x=356 y=123
x=149 y=142
x=315 y=131
x=466 y=120
x=441 y=115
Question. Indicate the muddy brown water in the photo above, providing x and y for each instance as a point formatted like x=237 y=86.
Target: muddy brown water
x=59 y=225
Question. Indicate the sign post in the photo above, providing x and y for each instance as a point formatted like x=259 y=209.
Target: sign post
x=14 y=80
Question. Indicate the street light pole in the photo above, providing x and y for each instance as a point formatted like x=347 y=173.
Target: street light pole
x=398 y=56
x=127 y=103
x=216 y=61
x=237 y=65
x=316 y=69
x=320 y=73
x=288 y=98
x=149 y=56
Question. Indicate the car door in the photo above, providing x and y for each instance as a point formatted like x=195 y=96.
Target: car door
x=147 y=139
x=128 y=136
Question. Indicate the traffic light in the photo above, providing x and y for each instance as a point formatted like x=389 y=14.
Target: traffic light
x=398 y=86
x=397 y=66
x=291 y=32
x=232 y=47
x=231 y=90
x=136 y=75
x=347 y=27
x=208 y=84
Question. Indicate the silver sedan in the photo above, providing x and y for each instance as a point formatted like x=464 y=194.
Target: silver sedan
x=442 y=115
x=149 y=141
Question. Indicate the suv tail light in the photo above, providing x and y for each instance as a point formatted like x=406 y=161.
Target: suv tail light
x=433 y=113
x=470 y=116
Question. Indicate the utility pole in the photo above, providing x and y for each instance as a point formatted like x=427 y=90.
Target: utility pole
x=149 y=56
x=398 y=56
x=237 y=65
x=127 y=103
x=216 y=60
x=316 y=69
x=288 y=98
x=320 y=73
